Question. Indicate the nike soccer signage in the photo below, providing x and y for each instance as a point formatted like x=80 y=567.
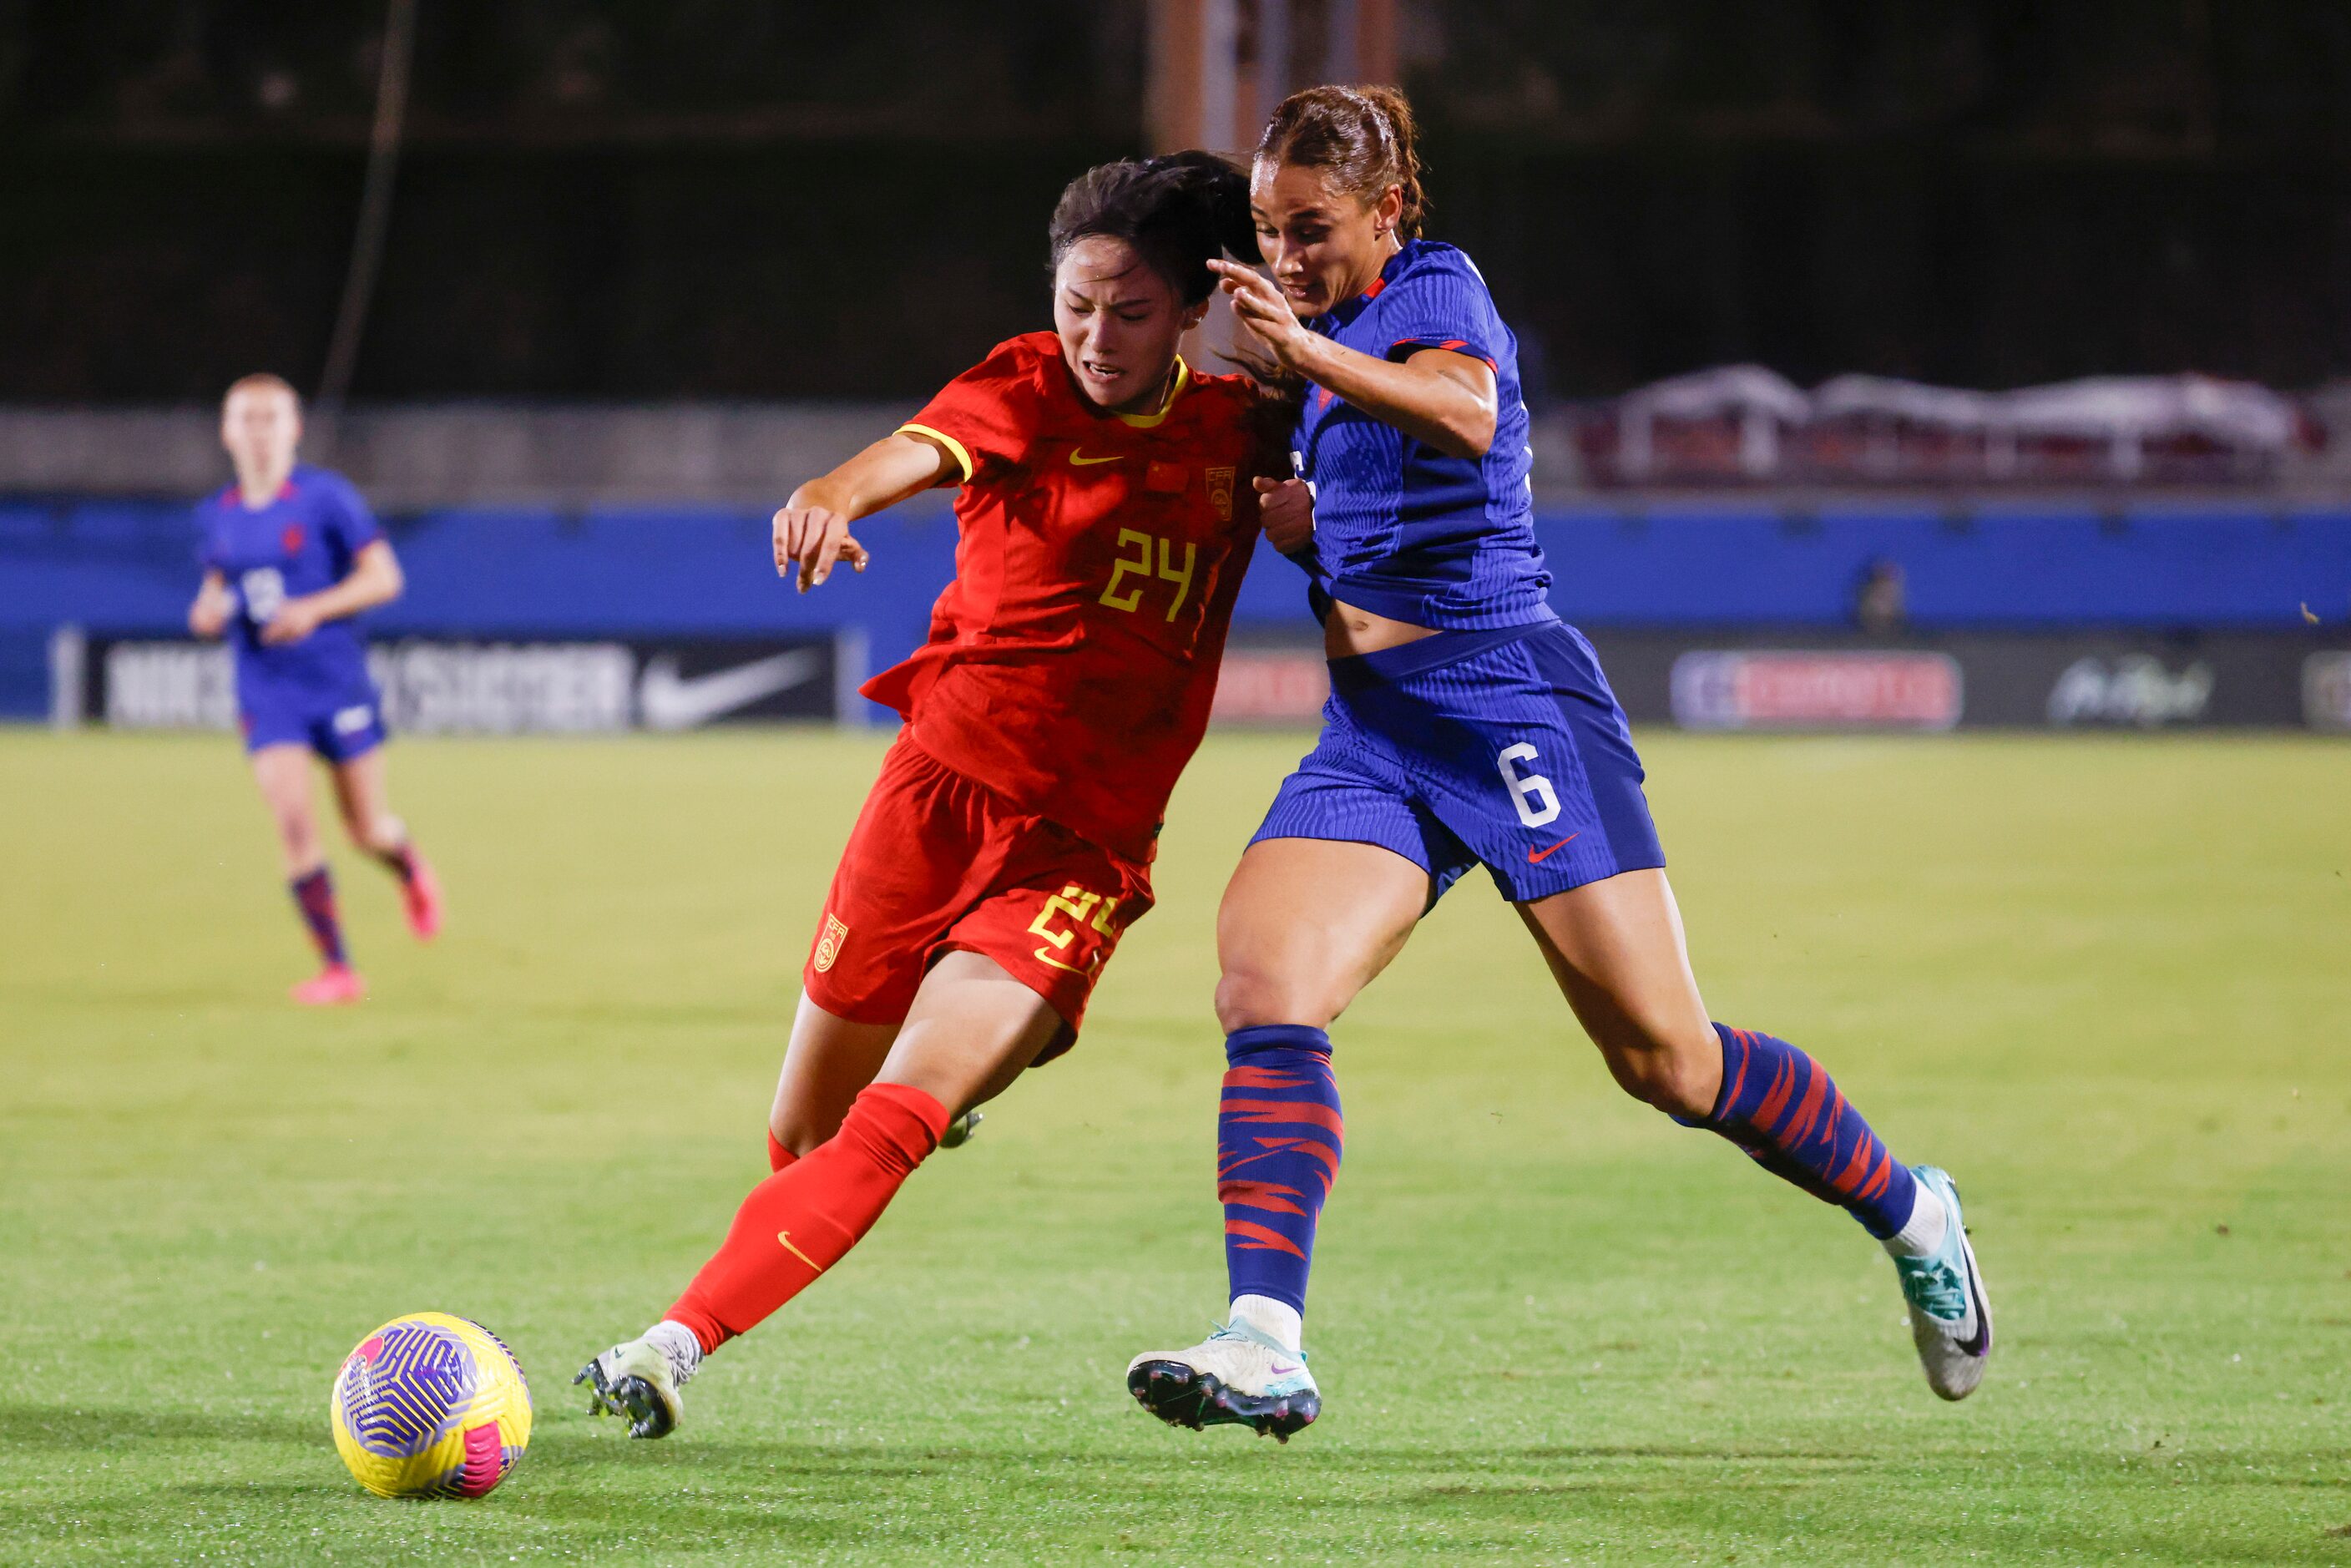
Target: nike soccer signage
x=447 y=686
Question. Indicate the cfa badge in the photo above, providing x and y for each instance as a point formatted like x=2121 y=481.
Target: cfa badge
x=828 y=946
x=1220 y=493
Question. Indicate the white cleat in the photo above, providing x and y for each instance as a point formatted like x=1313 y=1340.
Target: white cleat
x=1235 y=1376
x=640 y=1381
x=1950 y=1317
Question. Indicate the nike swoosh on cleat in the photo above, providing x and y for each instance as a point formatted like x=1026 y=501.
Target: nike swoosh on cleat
x=1078 y=459
x=1980 y=1343
x=1281 y=1371
x=1535 y=857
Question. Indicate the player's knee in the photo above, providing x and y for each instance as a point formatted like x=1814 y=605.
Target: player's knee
x=1253 y=996
x=297 y=829
x=1670 y=1080
x=800 y=1130
x=381 y=834
x=1680 y=1078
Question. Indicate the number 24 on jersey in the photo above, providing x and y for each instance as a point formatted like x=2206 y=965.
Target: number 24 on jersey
x=1141 y=565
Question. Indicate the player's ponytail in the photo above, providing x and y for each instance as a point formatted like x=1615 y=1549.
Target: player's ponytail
x=1179 y=212
x=1363 y=137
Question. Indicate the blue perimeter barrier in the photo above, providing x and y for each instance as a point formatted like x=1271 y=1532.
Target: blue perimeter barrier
x=518 y=572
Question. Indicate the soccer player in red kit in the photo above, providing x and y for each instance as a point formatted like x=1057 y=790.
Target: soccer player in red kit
x=1107 y=512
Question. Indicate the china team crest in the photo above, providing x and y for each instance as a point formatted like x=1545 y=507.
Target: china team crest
x=1220 y=493
x=828 y=946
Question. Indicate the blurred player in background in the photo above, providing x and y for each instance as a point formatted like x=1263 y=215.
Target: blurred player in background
x=290 y=553
x=1467 y=724
x=1106 y=516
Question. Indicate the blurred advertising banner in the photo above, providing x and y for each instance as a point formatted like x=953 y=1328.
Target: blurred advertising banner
x=1280 y=685
x=1799 y=690
x=1800 y=680
x=456 y=685
x=2327 y=690
x=2061 y=680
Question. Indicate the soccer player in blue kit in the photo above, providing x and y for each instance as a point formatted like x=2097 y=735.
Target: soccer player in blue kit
x=1467 y=726
x=290 y=554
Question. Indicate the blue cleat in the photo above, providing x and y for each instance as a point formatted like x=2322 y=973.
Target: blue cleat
x=1950 y=1318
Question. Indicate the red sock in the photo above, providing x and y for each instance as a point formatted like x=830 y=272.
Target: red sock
x=778 y=1156
x=804 y=1218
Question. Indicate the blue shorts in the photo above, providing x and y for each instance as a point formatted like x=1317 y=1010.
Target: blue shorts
x=338 y=732
x=1503 y=748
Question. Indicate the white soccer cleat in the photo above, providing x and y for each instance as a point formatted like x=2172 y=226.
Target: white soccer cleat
x=1950 y=1317
x=640 y=1381
x=1235 y=1376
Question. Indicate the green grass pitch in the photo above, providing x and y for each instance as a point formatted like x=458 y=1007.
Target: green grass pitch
x=2105 y=981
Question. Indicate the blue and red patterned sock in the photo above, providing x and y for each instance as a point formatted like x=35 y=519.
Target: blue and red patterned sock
x=1278 y=1140
x=314 y=895
x=1783 y=1108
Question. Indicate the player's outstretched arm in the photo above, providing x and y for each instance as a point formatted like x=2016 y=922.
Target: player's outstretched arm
x=208 y=613
x=811 y=530
x=1449 y=401
x=374 y=579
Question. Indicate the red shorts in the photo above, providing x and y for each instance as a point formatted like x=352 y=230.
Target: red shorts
x=938 y=862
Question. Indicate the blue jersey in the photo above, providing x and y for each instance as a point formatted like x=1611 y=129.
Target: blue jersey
x=304 y=540
x=1401 y=529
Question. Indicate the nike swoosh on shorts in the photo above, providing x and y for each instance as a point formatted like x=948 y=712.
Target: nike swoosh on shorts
x=1535 y=857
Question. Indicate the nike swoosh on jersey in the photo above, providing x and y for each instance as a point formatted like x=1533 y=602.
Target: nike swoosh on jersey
x=667 y=700
x=1535 y=857
x=1078 y=458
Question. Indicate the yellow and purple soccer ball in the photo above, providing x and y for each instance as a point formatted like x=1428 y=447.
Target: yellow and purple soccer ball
x=431 y=1405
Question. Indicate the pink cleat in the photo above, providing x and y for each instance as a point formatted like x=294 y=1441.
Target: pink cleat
x=332 y=986
x=422 y=893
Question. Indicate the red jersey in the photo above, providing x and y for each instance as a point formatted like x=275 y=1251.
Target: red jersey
x=1072 y=662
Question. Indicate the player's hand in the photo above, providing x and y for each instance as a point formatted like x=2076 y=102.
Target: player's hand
x=1261 y=306
x=296 y=619
x=1286 y=509
x=810 y=541
x=208 y=616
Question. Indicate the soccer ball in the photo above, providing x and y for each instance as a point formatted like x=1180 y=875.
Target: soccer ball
x=431 y=1405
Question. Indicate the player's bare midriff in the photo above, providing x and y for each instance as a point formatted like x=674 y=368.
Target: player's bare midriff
x=1347 y=632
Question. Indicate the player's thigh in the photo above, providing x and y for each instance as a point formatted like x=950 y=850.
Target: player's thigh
x=282 y=770
x=1308 y=923
x=828 y=1064
x=972 y=1031
x=362 y=791
x=1616 y=949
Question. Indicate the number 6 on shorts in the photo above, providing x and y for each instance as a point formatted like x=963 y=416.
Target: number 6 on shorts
x=1530 y=792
